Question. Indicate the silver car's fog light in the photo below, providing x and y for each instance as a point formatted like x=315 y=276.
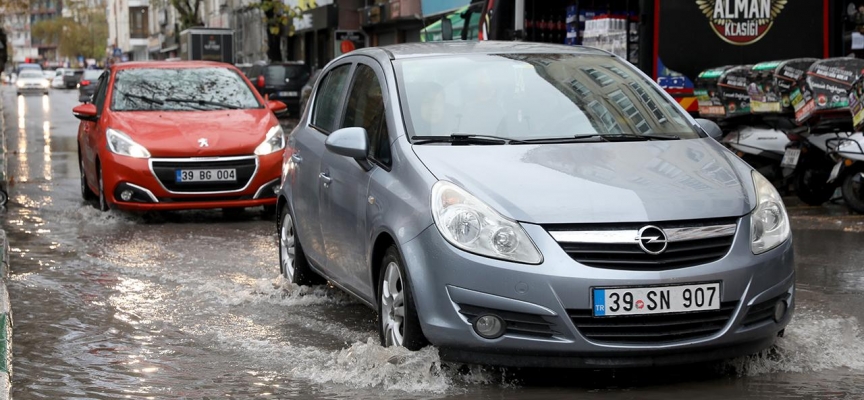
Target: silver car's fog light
x=780 y=311
x=490 y=326
x=126 y=195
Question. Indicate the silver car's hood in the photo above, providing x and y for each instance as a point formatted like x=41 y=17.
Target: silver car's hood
x=599 y=182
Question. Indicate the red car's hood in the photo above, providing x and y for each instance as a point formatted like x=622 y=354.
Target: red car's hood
x=182 y=133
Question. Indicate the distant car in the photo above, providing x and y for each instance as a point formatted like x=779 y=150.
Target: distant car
x=31 y=81
x=244 y=68
x=26 y=66
x=57 y=81
x=48 y=74
x=281 y=81
x=179 y=135
x=306 y=92
x=71 y=77
x=87 y=85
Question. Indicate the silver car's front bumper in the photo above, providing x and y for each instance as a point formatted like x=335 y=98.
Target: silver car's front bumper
x=446 y=280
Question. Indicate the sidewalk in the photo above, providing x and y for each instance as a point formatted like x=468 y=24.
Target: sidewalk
x=5 y=308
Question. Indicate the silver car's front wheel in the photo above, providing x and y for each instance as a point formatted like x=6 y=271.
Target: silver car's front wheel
x=292 y=261
x=287 y=247
x=392 y=306
x=398 y=323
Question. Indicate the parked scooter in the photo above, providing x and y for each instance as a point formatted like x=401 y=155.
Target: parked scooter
x=757 y=136
x=848 y=172
x=821 y=105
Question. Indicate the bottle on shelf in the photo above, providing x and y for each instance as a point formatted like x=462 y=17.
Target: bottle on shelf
x=542 y=29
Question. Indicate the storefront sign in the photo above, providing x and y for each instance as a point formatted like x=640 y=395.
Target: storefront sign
x=434 y=7
x=316 y=19
x=347 y=41
x=741 y=22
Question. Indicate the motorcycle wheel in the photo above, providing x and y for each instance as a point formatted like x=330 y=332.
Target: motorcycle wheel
x=812 y=187
x=853 y=190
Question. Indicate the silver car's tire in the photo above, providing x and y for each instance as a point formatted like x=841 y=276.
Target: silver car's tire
x=398 y=324
x=292 y=261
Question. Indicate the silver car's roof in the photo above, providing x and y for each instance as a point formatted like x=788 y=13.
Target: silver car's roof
x=433 y=49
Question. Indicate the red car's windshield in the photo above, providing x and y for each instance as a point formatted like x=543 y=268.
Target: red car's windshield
x=182 y=89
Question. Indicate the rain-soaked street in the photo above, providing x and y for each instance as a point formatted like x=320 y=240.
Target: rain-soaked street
x=115 y=305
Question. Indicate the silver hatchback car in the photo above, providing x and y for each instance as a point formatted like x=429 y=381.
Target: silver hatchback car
x=531 y=205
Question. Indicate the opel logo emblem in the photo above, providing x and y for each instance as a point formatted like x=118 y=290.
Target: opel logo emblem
x=652 y=240
x=203 y=142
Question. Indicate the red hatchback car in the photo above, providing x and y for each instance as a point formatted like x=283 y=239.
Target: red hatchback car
x=179 y=135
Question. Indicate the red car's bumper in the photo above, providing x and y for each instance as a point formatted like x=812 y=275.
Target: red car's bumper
x=149 y=192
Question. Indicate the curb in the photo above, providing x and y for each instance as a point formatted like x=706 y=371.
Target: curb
x=4 y=175
x=5 y=322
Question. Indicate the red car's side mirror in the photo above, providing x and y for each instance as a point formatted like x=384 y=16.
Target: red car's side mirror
x=279 y=108
x=85 y=112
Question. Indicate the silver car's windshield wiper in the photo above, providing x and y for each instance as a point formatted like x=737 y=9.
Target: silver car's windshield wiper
x=617 y=137
x=461 y=138
x=150 y=100
x=568 y=139
x=202 y=102
x=624 y=137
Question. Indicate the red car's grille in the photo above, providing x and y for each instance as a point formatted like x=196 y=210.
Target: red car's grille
x=165 y=171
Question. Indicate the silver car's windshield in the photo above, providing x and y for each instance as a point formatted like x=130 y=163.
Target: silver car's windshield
x=533 y=96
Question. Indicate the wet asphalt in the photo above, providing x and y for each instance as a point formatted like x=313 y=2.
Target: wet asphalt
x=191 y=305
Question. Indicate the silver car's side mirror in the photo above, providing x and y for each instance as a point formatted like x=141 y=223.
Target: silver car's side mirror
x=349 y=142
x=711 y=128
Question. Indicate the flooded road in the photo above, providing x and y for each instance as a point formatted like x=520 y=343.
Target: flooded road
x=113 y=305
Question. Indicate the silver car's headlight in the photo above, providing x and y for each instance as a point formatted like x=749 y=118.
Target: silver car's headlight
x=274 y=141
x=471 y=225
x=19 y=83
x=769 y=223
x=120 y=143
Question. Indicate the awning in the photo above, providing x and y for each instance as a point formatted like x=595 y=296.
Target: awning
x=432 y=33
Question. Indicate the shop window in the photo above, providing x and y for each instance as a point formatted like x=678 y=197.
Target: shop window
x=603 y=114
x=629 y=109
x=649 y=102
x=599 y=77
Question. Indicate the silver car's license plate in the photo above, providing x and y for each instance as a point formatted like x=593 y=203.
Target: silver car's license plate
x=288 y=94
x=656 y=299
x=206 y=175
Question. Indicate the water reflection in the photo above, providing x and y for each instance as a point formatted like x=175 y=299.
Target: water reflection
x=46 y=149
x=46 y=105
x=23 y=167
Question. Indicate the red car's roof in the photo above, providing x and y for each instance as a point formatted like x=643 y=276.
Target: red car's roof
x=170 y=64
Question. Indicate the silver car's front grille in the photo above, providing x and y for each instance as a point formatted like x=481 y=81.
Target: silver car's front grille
x=656 y=329
x=649 y=246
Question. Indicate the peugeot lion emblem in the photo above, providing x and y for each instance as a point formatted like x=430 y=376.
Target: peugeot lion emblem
x=652 y=240
x=203 y=142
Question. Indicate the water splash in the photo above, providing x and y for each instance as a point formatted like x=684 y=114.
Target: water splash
x=813 y=342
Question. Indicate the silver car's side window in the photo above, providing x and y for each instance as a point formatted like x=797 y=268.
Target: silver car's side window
x=365 y=109
x=325 y=111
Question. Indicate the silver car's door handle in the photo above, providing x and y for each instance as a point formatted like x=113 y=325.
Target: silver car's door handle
x=326 y=178
x=296 y=157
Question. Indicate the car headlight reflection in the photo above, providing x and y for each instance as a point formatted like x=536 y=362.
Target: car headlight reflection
x=471 y=225
x=120 y=143
x=769 y=223
x=273 y=141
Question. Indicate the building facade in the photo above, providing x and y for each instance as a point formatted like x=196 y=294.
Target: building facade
x=128 y=29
